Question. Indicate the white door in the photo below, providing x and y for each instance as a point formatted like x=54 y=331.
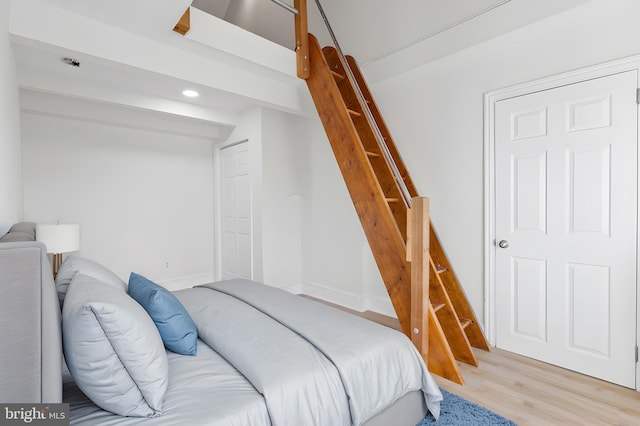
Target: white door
x=566 y=226
x=237 y=259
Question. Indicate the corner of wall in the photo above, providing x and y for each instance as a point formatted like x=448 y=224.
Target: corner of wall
x=11 y=204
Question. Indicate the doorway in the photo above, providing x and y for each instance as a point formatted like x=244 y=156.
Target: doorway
x=236 y=212
x=562 y=240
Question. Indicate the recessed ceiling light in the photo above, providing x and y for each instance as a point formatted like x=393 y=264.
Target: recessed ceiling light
x=190 y=93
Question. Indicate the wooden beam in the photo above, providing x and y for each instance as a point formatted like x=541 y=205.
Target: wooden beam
x=418 y=251
x=302 y=39
x=184 y=24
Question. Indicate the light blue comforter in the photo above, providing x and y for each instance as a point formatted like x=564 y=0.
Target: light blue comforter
x=313 y=364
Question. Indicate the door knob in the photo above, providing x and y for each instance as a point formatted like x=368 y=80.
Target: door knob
x=503 y=244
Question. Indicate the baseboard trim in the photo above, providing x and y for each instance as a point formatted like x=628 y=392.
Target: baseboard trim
x=186 y=281
x=294 y=288
x=349 y=300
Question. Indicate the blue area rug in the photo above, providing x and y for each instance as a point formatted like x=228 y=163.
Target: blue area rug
x=455 y=410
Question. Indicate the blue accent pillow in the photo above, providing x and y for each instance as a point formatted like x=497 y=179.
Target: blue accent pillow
x=177 y=329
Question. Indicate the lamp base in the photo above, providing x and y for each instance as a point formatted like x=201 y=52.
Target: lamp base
x=56 y=262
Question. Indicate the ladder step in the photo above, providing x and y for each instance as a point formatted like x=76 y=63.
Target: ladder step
x=337 y=75
x=437 y=305
x=354 y=113
x=392 y=200
x=372 y=154
x=456 y=294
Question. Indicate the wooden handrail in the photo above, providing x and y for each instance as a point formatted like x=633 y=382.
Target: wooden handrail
x=299 y=10
x=418 y=255
x=302 y=39
x=367 y=111
x=287 y=6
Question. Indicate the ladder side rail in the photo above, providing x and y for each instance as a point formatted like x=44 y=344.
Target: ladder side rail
x=381 y=166
x=365 y=109
x=384 y=237
x=441 y=360
x=382 y=125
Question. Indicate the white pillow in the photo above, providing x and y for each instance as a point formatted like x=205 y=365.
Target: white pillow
x=76 y=264
x=113 y=349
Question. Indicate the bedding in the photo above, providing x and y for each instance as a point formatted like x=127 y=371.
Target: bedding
x=303 y=362
x=264 y=356
x=376 y=365
x=204 y=390
x=299 y=384
x=178 y=332
x=70 y=267
x=113 y=349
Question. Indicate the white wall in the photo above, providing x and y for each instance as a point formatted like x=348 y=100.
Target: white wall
x=284 y=167
x=338 y=265
x=10 y=164
x=143 y=199
x=435 y=113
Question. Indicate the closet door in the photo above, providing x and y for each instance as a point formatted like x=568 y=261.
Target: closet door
x=566 y=226
x=237 y=255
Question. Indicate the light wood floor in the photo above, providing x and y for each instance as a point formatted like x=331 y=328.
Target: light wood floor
x=530 y=392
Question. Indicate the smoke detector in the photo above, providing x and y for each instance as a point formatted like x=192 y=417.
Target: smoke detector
x=71 y=62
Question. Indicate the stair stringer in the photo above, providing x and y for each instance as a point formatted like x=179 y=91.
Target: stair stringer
x=345 y=128
x=384 y=237
x=448 y=278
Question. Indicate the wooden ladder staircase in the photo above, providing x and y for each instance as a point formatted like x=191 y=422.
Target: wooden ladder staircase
x=383 y=211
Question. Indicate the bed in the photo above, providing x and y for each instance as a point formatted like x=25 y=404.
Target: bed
x=257 y=355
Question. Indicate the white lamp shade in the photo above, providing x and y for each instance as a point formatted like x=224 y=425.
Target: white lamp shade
x=59 y=238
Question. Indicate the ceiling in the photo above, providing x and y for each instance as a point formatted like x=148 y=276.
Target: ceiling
x=385 y=37
x=383 y=27
x=372 y=30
